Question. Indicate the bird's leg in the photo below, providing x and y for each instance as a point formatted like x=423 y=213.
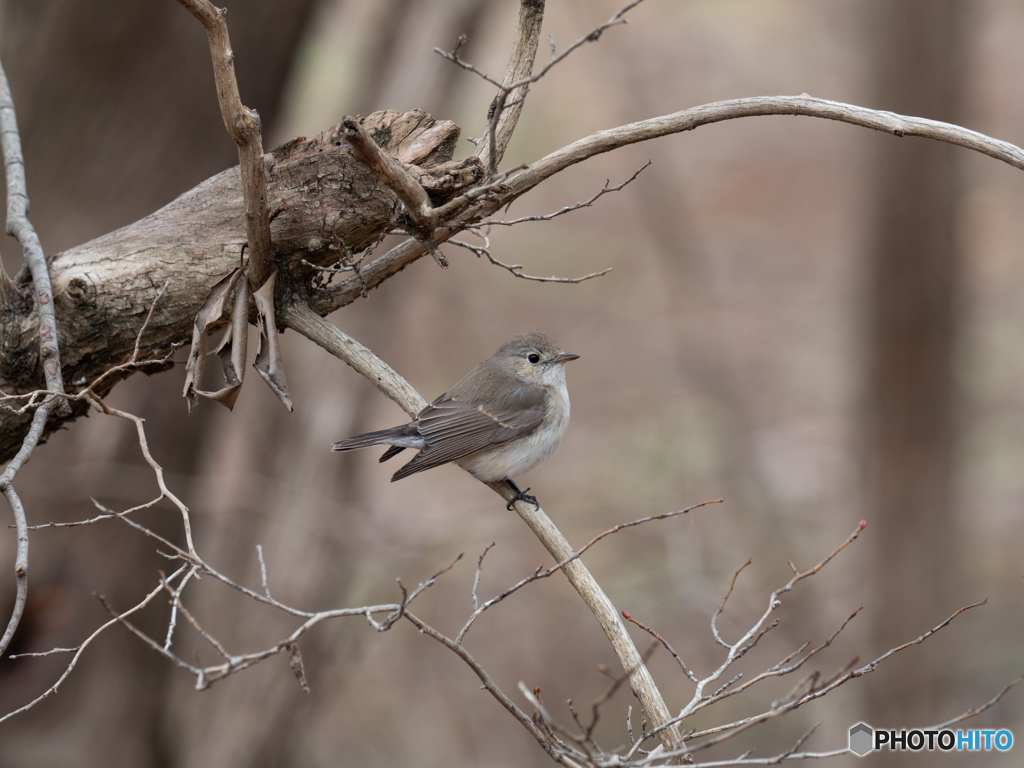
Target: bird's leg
x=520 y=495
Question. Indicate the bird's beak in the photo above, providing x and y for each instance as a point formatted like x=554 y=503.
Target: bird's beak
x=564 y=358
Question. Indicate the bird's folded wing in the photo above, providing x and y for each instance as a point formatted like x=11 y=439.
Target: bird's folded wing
x=453 y=430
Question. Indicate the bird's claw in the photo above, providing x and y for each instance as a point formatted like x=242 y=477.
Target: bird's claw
x=522 y=495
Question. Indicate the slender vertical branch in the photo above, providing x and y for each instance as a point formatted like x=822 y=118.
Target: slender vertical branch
x=21 y=228
x=243 y=125
x=508 y=105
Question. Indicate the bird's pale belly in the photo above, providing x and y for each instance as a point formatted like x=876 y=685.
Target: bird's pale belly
x=517 y=457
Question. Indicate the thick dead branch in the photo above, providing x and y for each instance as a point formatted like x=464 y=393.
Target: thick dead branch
x=401 y=182
x=104 y=289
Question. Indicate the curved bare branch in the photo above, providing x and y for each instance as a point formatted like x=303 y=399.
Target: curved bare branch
x=307 y=322
x=21 y=524
x=605 y=141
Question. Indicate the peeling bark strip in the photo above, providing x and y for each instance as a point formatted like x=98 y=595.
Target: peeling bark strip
x=268 y=348
x=212 y=315
x=103 y=289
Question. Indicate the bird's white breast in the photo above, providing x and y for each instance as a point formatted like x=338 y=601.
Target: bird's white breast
x=522 y=454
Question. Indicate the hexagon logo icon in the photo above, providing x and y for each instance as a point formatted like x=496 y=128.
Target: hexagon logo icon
x=861 y=739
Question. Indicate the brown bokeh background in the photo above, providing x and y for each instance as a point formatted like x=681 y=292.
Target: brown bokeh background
x=817 y=323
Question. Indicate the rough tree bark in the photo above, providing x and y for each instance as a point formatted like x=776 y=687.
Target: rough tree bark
x=103 y=289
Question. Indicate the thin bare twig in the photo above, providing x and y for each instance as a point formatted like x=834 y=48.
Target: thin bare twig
x=165 y=492
x=476 y=578
x=738 y=649
x=28 y=445
x=781 y=669
x=539 y=573
x=175 y=600
x=665 y=643
x=975 y=711
x=332 y=270
x=516 y=269
x=512 y=91
x=21 y=228
x=205 y=676
x=149 y=316
x=731 y=729
x=263 y=572
x=721 y=606
x=606 y=189
x=85 y=643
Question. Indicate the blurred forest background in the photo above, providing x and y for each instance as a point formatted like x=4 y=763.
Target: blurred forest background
x=816 y=322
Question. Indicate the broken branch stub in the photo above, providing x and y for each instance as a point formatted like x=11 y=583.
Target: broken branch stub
x=421 y=212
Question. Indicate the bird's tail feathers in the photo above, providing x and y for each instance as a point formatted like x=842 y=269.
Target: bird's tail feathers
x=394 y=450
x=366 y=440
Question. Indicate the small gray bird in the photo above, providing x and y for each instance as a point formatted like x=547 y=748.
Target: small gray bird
x=505 y=417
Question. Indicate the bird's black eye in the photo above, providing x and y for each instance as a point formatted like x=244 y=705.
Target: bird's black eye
x=534 y=358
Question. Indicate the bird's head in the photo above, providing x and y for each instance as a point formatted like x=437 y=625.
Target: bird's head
x=535 y=358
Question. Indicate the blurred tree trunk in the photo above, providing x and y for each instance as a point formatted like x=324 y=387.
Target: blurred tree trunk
x=913 y=316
